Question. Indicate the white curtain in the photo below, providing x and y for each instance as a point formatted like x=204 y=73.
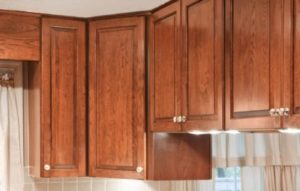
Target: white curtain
x=268 y=162
x=256 y=149
x=11 y=155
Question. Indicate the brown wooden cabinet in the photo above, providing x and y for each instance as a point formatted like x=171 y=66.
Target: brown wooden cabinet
x=19 y=36
x=178 y=156
x=117 y=98
x=203 y=64
x=256 y=50
x=58 y=92
x=165 y=68
x=186 y=81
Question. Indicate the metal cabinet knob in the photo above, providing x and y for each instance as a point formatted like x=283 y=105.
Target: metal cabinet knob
x=47 y=167
x=139 y=169
x=183 y=119
x=286 y=111
x=274 y=112
x=175 y=119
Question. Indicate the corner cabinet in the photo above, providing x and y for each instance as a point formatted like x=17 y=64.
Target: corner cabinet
x=202 y=64
x=165 y=72
x=57 y=96
x=186 y=76
x=117 y=98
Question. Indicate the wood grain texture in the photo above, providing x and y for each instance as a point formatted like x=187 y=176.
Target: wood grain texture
x=19 y=37
x=254 y=56
x=164 y=71
x=34 y=108
x=291 y=75
x=179 y=157
x=203 y=64
x=117 y=97
x=63 y=106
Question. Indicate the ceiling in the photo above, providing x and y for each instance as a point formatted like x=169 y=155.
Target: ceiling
x=80 y=8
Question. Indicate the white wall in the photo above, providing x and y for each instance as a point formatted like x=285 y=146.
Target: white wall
x=80 y=8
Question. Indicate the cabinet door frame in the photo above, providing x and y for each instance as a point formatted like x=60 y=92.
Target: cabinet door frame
x=165 y=124
x=291 y=38
x=137 y=24
x=254 y=120
x=49 y=27
x=215 y=119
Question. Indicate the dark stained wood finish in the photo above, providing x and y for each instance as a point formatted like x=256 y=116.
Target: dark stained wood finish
x=63 y=105
x=179 y=157
x=254 y=57
x=164 y=71
x=117 y=98
x=19 y=36
x=291 y=91
x=203 y=64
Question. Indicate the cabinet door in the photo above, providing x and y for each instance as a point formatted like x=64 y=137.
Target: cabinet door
x=63 y=98
x=117 y=98
x=254 y=56
x=203 y=64
x=164 y=74
x=291 y=86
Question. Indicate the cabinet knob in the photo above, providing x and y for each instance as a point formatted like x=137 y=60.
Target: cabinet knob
x=175 y=119
x=183 y=119
x=274 y=112
x=139 y=169
x=286 y=111
x=47 y=167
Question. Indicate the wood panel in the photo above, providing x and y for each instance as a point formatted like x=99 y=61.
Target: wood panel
x=164 y=73
x=179 y=157
x=33 y=73
x=117 y=97
x=254 y=57
x=63 y=97
x=291 y=91
x=203 y=64
x=19 y=36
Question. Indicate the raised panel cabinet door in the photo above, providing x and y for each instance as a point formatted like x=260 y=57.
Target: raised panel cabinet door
x=19 y=36
x=291 y=93
x=254 y=59
x=203 y=64
x=164 y=69
x=117 y=98
x=63 y=106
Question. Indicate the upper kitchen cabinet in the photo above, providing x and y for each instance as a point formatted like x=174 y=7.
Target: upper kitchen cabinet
x=19 y=36
x=117 y=98
x=165 y=69
x=291 y=93
x=203 y=64
x=57 y=99
x=186 y=76
x=257 y=45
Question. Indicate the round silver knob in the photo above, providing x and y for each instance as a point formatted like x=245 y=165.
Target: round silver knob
x=139 y=169
x=274 y=112
x=47 y=167
x=183 y=119
x=286 y=111
x=175 y=119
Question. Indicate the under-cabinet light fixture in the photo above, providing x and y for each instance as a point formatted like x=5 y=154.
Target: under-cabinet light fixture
x=213 y=132
x=232 y=132
x=289 y=131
